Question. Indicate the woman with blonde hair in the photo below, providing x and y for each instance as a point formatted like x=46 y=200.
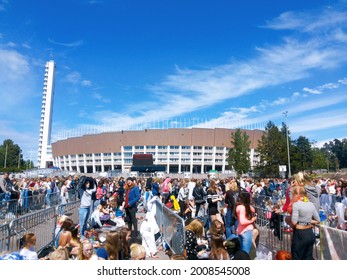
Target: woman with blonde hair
x=230 y=195
x=61 y=253
x=304 y=216
x=86 y=251
x=193 y=231
x=137 y=252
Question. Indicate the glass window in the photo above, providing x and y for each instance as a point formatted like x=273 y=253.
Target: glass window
x=150 y=147
x=128 y=148
x=128 y=154
x=162 y=147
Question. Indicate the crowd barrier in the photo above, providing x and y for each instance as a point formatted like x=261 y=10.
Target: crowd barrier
x=333 y=243
x=11 y=208
x=171 y=226
x=42 y=223
x=276 y=234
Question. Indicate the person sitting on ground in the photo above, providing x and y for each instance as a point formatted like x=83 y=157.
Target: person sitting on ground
x=28 y=246
x=177 y=257
x=111 y=248
x=64 y=237
x=86 y=251
x=137 y=252
x=125 y=236
x=61 y=253
x=101 y=216
x=194 y=231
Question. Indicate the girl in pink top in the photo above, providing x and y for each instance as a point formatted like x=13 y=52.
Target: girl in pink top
x=245 y=214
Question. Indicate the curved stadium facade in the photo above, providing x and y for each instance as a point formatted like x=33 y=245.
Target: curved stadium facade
x=194 y=150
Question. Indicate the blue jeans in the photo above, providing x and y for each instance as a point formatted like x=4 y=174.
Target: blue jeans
x=246 y=241
x=229 y=223
x=83 y=215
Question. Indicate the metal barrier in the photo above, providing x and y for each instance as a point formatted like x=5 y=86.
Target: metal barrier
x=171 y=226
x=10 y=209
x=4 y=234
x=333 y=243
x=69 y=209
x=278 y=235
x=42 y=223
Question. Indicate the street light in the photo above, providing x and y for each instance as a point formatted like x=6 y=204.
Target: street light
x=289 y=171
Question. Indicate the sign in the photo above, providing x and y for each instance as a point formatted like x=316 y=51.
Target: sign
x=283 y=168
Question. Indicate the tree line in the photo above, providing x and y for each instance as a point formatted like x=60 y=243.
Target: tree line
x=273 y=152
x=11 y=158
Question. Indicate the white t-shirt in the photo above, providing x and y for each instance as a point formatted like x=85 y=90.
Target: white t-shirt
x=28 y=254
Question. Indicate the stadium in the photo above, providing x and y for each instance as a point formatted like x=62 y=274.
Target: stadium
x=175 y=150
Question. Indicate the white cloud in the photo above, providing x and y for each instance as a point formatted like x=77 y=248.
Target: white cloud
x=280 y=101
x=343 y=81
x=313 y=91
x=329 y=86
x=101 y=98
x=321 y=121
x=73 y=77
x=69 y=45
x=26 y=46
x=11 y=45
x=295 y=58
x=86 y=83
x=304 y=22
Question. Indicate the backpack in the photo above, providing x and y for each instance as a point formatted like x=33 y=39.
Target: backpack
x=198 y=194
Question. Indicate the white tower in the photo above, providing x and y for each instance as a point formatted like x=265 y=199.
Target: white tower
x=45 y=149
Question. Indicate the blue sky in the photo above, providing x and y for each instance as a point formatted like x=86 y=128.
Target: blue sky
x=136 y=64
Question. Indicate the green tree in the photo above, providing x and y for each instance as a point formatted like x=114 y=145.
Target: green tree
x=272 y=149
x=319 y=160
x=238 y=156
x=10 y=154
x=331 y=158
x=302 y=156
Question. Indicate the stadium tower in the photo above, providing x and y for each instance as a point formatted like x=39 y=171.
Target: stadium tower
x=44 y=158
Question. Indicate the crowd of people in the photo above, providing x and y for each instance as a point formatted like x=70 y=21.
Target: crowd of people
x=219 y=214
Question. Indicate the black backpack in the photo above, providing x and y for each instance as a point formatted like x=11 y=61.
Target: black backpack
x=197 y=194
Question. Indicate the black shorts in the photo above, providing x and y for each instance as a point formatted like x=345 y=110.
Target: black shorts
x=213 y=211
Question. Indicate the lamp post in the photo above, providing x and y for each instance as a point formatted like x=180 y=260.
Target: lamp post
x=289 y=171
